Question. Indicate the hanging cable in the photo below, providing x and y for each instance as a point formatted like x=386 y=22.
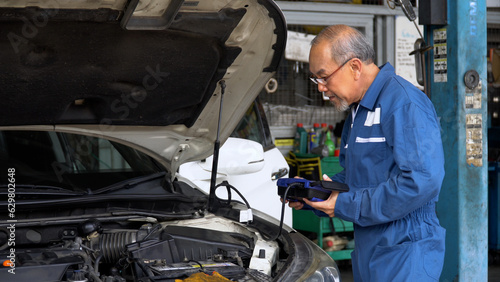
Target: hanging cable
x=229 y=187
x=283 y=205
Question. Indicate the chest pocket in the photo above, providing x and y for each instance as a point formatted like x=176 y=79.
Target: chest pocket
x=370 y=140
x=371 y=150
x=367 y=150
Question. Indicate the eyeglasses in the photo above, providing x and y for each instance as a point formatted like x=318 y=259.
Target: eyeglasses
x=323 y=80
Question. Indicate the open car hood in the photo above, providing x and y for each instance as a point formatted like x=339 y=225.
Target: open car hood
x=140 y=73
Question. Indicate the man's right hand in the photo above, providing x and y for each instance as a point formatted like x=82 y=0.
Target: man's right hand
x=296 y=205
x=327 y=206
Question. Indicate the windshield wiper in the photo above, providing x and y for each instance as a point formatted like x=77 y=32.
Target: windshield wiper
x=128 y=183
x=38 y=188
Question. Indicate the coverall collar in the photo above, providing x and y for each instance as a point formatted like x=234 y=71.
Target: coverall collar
x=375 y=88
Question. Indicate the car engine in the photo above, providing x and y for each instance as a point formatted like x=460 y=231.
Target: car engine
x=135 y=250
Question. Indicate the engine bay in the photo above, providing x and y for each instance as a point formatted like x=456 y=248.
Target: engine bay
x=137 y=250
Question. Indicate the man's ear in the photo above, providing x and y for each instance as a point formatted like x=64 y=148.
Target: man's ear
x=356 y=67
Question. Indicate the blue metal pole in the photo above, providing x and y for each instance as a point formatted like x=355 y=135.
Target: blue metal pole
x=458 y=81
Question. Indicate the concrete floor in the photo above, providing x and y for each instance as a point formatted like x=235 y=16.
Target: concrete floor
x=346 y=272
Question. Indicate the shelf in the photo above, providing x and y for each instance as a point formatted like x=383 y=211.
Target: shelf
x=341 y=255
x=306 y=220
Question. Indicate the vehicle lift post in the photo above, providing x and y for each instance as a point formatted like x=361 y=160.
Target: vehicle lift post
x=456 y=71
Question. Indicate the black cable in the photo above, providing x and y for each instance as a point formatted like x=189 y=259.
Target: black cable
x=228 y=194
x=202 y=269
x=283 y=204
x=332 y=226
x=227 y=185
x=245 y=238
x=154 y=229
x=146 y=269
x=96 y=263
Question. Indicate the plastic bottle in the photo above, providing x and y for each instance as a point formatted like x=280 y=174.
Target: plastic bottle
x=335 y=140
x=334 y=243
x=300 y=142
x=317 y=127
x=322 y=134
x=330 y=144
x=313 y=137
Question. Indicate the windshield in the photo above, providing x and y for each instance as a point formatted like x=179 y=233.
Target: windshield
x=70 y=161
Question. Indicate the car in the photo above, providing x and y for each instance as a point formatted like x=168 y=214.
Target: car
x=250 y=162
x=102 y=102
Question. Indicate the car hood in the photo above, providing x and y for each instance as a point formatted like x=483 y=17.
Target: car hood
x=137 y=72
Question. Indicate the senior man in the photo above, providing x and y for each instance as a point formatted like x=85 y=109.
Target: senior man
x=393 y=161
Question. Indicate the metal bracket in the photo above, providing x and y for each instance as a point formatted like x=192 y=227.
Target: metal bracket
x=153 y=22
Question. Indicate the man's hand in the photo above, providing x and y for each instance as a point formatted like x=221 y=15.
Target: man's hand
x=327 y=206
x=295 y=204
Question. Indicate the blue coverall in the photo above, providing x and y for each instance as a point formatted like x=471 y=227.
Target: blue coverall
x=393 y=162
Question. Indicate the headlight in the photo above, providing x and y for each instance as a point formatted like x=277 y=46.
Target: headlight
x=326 y=274
x=310 y=263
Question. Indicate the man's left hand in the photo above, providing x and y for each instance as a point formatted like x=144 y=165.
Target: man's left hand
x=327 y=206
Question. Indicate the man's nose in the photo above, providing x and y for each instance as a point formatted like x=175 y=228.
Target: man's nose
x=322 y=87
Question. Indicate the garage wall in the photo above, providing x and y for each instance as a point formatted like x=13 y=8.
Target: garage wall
x=296 y=99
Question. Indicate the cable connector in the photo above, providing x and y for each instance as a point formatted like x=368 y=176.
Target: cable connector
x=246 y=215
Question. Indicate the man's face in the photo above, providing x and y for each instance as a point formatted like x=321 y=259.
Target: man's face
x=331 y=78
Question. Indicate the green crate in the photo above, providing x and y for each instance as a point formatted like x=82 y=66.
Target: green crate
x=307 y=166
x=341 y=255
x=306 y=220
x=330 y=166
x=304 y=155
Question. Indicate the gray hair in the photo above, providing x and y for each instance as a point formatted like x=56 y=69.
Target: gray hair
x=346 y=43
